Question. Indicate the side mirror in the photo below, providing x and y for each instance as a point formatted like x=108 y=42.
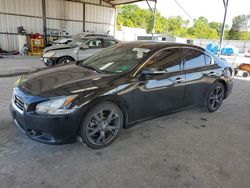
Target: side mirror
x=83 y=47
x=153 y=71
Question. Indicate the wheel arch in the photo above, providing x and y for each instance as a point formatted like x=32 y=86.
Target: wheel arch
x=223 y=82
x=117 y=100
x=66 y=56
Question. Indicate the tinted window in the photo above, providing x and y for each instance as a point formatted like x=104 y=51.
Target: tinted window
x=193 y=58
x=117 y=59
x=108 y=42
x=168 y=59
x=208 y=60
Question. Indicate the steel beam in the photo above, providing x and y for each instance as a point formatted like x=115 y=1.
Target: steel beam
x=225 y=2
x=154 y=19
x=44 y=22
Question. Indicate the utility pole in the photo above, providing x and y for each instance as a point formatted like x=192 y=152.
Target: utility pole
x=225 y=2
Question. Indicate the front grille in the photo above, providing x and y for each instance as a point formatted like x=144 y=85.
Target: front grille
x=18 y=102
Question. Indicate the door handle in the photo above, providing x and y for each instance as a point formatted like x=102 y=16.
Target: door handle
x=212 y=74
x=178 y=80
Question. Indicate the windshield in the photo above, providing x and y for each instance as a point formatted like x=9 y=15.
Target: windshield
x=116 y=59
x=77 y=36
x=76 y=43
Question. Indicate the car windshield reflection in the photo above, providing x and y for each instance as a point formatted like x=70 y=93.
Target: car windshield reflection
x=117 y=59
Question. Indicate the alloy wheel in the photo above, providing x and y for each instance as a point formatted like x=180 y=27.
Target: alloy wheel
x=216 y=97
x=66 y=61
x=103 y=127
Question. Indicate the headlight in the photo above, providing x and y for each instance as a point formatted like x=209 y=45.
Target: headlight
x=49 y=54
x=57 y=106
x=18 y=81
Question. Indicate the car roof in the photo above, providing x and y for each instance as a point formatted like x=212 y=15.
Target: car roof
x=98 y=36
x=103 y=35
x=159 y=44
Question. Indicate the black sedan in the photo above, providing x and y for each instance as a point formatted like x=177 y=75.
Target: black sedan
x=119 y=86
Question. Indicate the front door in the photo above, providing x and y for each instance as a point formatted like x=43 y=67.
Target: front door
x=94 y=46
x=157 y=94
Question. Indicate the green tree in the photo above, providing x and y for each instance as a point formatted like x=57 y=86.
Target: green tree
x=201 y=29
x=133 y=16
x=176 y=26
x=240 y=26
x=216 y=25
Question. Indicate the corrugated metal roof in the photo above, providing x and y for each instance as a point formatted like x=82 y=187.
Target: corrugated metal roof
x=119 y=2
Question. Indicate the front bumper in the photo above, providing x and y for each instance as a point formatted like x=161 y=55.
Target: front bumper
x=49 y=61
x=47 y=129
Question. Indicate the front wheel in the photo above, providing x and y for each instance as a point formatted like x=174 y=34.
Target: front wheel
x=214 y=97
x=65 y=60
x=102 y=125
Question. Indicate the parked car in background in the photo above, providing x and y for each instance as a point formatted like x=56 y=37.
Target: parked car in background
x=126 y=83
x=79 y=36
x=82 y=46
x=62 y=41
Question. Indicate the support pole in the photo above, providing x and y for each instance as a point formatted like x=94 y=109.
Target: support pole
x=83 y=20
x=115 y=21
x=44 y=22
x=225 y=2
x=154 y=21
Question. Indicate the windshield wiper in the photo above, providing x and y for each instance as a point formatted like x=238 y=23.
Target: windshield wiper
x=92 y=68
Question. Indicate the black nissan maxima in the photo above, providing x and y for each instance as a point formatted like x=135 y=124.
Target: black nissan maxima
x=119 y=86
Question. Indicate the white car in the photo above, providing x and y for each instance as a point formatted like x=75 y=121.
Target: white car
x=79 y=49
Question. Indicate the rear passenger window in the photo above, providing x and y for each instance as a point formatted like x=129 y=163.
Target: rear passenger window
x=193 y=58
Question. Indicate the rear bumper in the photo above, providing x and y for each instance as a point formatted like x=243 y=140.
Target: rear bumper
x=48 y=129
x=229 y=88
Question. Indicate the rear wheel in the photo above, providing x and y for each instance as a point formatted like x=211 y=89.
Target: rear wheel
x=102 y=125
x=245 y=74
x=214 y=97
x=235 y=71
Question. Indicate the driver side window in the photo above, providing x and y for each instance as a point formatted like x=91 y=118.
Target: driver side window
x=168 y=60
x=95 y=43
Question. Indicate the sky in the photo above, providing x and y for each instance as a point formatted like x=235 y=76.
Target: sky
x=213 y=10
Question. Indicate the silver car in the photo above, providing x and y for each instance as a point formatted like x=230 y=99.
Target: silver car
x=76 y=50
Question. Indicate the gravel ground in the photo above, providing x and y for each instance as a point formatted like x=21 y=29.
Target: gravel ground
x=186 y=149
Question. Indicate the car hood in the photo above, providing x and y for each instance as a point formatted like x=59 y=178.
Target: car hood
x=57 y=47
x=63 y=80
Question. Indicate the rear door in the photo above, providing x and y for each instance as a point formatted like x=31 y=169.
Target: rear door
x=200 y=72
x=160 y=93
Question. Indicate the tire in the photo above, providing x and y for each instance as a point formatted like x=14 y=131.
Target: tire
x=215 y=97
x=65 y=60
x=245 y=74
x=235 y=71
x=101 y=125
